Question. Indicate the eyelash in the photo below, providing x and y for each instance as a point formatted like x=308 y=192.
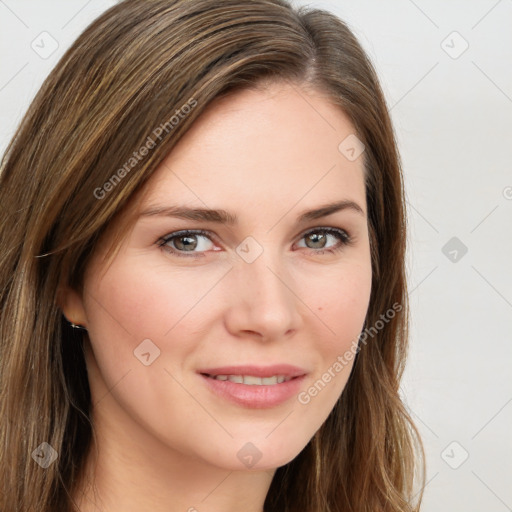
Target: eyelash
x=343 y=236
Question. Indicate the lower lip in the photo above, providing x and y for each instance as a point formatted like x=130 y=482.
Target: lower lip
x=255 y=397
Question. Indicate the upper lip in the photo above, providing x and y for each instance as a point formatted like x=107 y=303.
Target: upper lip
x=257 y=371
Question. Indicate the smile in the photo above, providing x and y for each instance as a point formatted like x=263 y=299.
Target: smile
x=251 y=380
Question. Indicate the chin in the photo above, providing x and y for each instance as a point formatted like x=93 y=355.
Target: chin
x=261 y=455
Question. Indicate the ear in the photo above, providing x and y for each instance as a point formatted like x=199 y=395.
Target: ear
x=71 y=304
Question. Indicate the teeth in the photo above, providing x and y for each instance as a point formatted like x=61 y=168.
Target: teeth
x=254 y=381
x=251 y=380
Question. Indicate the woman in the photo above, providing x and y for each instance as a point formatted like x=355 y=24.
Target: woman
x=203 y=296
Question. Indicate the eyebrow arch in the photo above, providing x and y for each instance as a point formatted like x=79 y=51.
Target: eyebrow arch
x=230 y=219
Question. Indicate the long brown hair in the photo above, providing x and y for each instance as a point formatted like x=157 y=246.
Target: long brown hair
x=69 y=170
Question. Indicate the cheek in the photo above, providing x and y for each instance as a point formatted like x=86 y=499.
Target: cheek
x=134 y=302
x=124 y=303
x=341 y=302
x=140 y=299
x=131 y=304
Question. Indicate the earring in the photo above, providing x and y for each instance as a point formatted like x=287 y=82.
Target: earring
x=75 y=326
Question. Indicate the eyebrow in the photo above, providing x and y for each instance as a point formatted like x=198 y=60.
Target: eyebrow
x=224 y=217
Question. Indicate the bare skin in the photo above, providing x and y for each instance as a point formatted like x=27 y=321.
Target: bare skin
x=166 y=441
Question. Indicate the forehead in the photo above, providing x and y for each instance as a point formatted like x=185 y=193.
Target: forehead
x=272 y=146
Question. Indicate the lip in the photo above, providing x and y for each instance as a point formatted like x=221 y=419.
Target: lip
x=255 y=397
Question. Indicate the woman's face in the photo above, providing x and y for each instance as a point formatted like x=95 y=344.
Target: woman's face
x=276 y=293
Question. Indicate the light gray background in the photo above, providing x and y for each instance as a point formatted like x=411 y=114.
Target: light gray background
x=452 y=111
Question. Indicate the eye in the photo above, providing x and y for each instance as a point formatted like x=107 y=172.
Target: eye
x=186 y=241
x=317 y=238
x=197 y=242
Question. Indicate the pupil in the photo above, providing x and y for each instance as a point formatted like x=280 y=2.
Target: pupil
x=315 y=238
x=190 y=244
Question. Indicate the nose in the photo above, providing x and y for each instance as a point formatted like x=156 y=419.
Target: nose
x=262 y=300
